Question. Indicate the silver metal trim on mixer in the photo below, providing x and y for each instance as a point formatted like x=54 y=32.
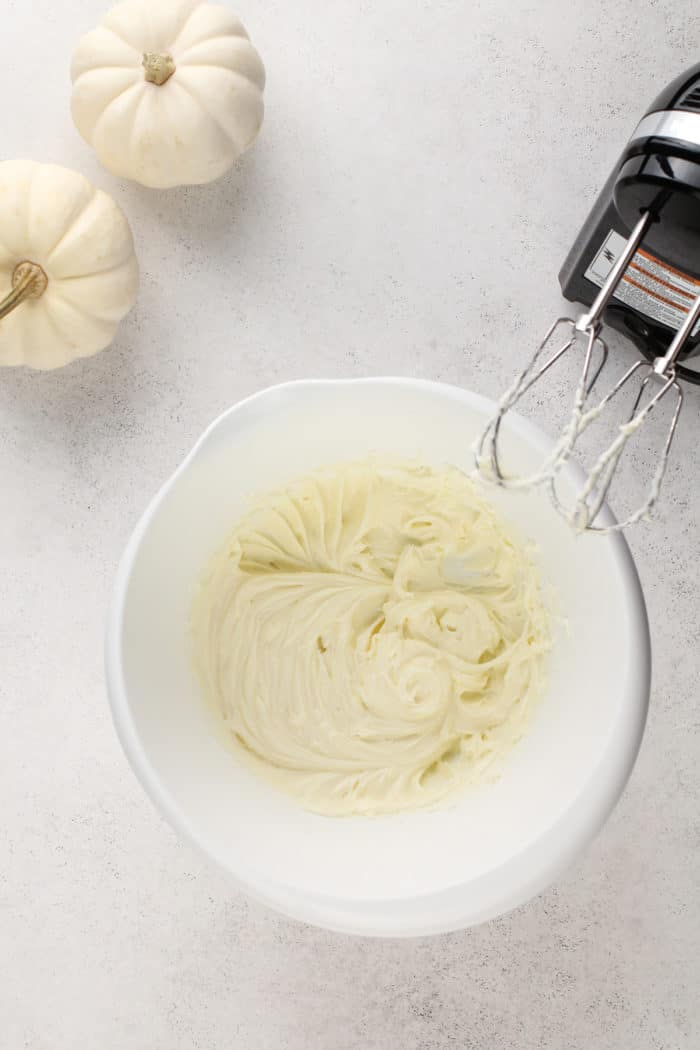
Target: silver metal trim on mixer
x=669 y=124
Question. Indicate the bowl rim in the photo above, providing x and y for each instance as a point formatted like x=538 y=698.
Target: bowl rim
x=521 y=877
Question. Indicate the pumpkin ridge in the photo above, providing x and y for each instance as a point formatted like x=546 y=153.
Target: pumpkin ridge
x=48 y=313
x=120 y=38
x=183 y=26
x=112 y=318
x=101 y=62
x=96 y=273
x=10 y=254
x=242 y=35
x=136 y=87
x=206 y=110
x=71 y=222
x=14 y=348
x=136 y=83
x=210 y=39
x=225 y=69
x=59 y=301
x=135 y=122
x=104 y=65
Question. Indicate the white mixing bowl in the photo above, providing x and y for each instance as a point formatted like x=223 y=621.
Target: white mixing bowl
x=415 y=873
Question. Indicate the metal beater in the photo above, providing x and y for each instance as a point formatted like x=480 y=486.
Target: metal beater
x=584 y=337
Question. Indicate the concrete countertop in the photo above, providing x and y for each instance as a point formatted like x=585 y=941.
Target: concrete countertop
x=421 y=173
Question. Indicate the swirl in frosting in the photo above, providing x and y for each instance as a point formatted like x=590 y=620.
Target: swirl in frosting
x=373 y=636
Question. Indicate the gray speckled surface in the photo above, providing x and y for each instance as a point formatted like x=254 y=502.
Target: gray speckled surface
x=422 y=168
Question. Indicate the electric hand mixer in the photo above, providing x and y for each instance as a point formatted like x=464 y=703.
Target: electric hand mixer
x=636 y=265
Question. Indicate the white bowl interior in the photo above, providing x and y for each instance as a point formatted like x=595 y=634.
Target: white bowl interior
x=573 y=760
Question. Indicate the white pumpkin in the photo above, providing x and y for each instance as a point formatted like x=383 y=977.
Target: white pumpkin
x=168 y=92
x=68 y=273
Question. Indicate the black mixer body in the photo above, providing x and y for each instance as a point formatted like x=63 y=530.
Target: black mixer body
x=658 y=172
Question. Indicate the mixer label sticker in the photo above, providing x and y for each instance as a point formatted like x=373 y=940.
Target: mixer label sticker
x=649 y=285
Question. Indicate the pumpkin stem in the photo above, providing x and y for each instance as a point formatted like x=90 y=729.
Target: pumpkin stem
x=28 y=282
x=159 y=68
